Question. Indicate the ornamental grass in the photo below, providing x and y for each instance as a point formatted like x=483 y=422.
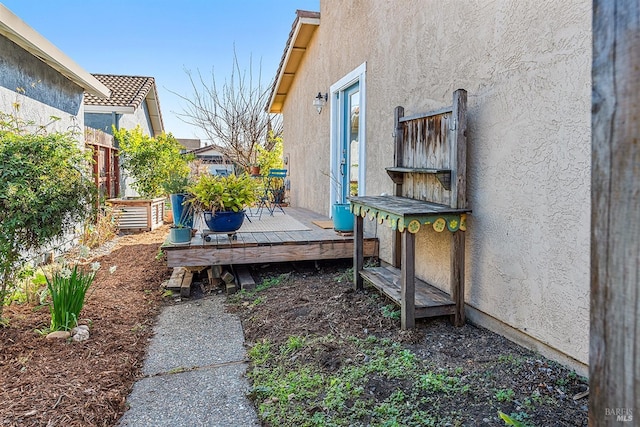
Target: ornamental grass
x=68 y=289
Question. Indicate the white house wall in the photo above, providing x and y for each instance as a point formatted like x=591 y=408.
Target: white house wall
x=526 y=67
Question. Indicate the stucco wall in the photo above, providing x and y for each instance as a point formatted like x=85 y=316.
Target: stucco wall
x=526 y=67
x=46 y=92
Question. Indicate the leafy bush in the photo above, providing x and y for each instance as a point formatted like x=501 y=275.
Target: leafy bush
x=223 y=193
x=156 y=164
x=68 y=289
x=45 y=190
x=269 y=159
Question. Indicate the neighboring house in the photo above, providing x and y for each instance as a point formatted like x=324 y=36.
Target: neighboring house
x=526 y=67
x=133 y=102
x=41 y=78
x=190 y=143
x=212 y=160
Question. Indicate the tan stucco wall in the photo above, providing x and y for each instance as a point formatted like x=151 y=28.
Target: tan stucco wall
x=526 y=67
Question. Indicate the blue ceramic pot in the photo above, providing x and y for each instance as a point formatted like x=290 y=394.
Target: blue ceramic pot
x=224 y=221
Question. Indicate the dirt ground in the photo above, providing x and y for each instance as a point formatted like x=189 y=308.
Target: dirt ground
x=317 y=300
x=59 y=383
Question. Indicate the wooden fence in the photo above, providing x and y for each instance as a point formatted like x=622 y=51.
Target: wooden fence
x=106 y=170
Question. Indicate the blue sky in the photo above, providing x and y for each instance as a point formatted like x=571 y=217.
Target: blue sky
x=160 y=38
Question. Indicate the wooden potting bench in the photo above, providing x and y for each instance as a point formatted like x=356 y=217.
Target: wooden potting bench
x=429 y=173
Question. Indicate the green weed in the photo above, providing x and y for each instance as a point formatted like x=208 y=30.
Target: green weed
x=260 y=353
x=505 y=395
x=293 y=343
x=270 y=282
x=390 y=311
x=441 y=383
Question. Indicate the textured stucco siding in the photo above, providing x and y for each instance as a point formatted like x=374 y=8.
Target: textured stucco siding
x=526 y=67
x=139 y=117
x=46 y=92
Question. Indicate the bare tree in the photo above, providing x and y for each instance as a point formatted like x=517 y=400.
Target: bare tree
x=233 y=116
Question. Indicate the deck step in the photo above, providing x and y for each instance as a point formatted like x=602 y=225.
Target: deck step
x=175 y=282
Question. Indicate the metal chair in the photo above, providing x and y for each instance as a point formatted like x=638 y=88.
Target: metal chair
x=274 y=190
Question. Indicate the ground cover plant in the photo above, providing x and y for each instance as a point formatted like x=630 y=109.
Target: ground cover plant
x=321 y=354
x=324 y=355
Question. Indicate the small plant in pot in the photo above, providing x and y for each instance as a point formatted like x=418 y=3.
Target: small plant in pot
x=176 y=187
x=223 y=199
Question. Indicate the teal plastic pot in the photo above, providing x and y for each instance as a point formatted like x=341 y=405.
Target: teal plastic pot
x=180 y=235
x=182 y=215
x=342 y=217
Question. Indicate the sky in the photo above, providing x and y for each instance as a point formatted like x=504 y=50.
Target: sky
x=163 y=38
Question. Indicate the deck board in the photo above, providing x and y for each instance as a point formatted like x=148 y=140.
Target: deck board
x=276 y=246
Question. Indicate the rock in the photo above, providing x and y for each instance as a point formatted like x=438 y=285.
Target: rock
x=79 y=327
x=80 y=333
x=58 y=335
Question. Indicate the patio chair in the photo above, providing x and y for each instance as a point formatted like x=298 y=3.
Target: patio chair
x=274 y=191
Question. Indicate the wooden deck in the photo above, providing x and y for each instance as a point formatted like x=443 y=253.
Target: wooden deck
x=289 y=243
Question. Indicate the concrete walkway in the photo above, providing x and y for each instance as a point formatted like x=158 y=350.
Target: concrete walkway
x=194 y=372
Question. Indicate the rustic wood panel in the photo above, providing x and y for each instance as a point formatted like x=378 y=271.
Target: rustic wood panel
x=427 y=145
x=614 y=353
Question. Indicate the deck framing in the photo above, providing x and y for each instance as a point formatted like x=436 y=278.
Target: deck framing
x=264 y=247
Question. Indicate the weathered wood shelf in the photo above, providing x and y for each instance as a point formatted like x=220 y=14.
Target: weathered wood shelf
x=426 y=146
x=429 y=300
x=442 y=175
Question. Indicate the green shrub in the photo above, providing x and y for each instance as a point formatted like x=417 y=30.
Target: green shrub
x=156 y=164
x=45 y=190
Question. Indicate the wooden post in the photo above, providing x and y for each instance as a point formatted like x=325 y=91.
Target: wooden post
x=358 y=253
x=398 y=155
x=614 y=353
x=457 y=276
x=408 y=282
x=458 y=160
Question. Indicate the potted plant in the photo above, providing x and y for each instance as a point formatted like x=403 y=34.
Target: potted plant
x=341 y=209
x=176 y=187
x=254 y=169
x=222 y=199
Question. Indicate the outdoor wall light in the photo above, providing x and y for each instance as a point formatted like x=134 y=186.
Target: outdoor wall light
x=319 y=101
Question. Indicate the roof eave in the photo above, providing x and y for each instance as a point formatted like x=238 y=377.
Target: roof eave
x=30 y=40
x=305 y=20
x=102 y=109
x=153 y=108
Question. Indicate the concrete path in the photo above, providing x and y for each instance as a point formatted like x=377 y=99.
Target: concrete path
x=194 y=371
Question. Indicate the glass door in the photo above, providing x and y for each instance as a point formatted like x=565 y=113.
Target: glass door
x=349 y=147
